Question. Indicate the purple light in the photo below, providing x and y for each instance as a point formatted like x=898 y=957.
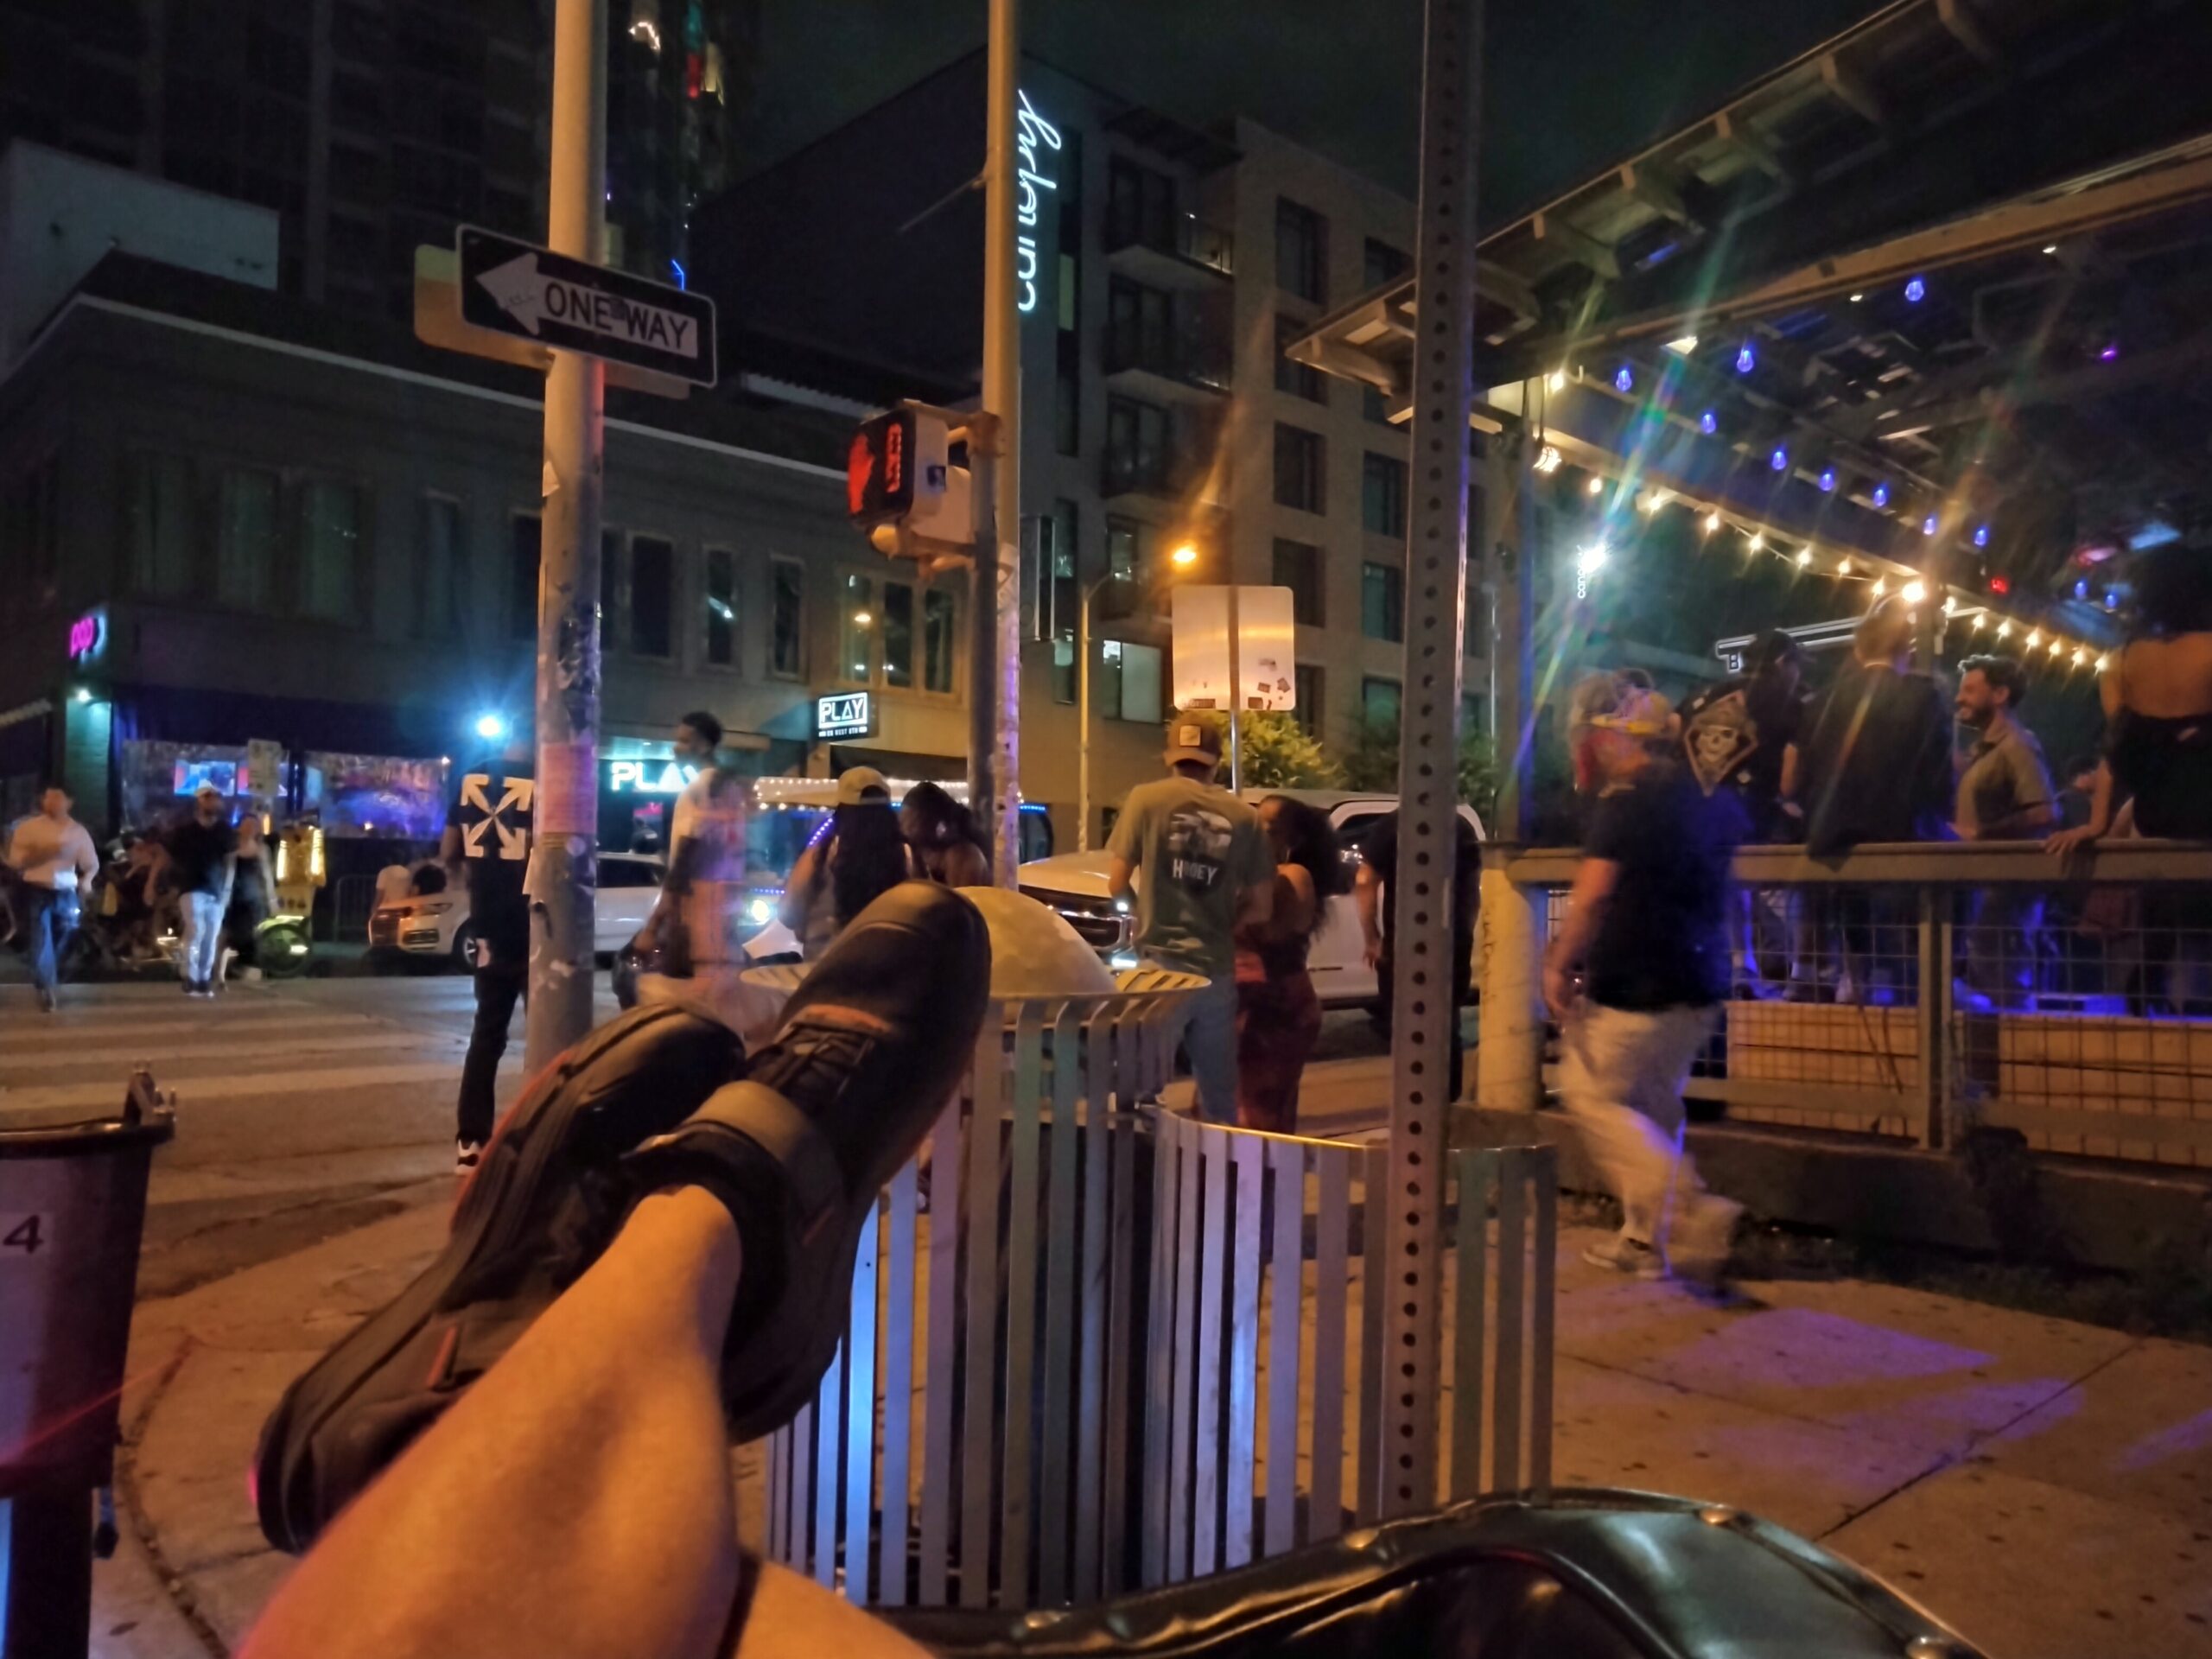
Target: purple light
x=1625 y=380
x=1981 y=535
x=1881 y=495
x=1827 y=479
x=1746 y=359
x=1916 y=291
x=1928 y=525
x=2081 y=588
x=1708 y=423
x=1779 y=459
x=2110 y=354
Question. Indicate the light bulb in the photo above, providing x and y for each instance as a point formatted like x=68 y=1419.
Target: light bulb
x=1915 y=592
x=1805 y=558
x=2035 y=637
x=2004 y=630
x=1758 y=540
x=1881 y=586
x=1712 y=523
x=1980 y=619
x=1558 y=381
x=1597 y=486
x=1843 y=567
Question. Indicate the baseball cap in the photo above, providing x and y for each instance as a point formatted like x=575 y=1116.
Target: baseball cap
x=862 y=786
x=207 y=789
x=1195 y=741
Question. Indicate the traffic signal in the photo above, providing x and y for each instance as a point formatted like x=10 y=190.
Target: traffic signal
x=901 y=486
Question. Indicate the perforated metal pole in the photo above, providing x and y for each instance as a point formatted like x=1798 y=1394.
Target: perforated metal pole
x=1422 y=896
x=1000 y=816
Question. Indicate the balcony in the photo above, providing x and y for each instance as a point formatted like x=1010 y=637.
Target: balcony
x=1180 y=251
x=1161 y=453
x=1170 y=364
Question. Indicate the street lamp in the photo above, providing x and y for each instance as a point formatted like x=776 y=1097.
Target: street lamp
x=1184 y=556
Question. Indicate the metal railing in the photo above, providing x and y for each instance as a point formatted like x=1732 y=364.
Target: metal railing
x=353 y=898
x=1093 y=1345
x=1921 y=991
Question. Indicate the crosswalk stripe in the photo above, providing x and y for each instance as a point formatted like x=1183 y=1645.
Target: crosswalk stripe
x=318 y=1081
x=233 y=1050
x=56 y=1033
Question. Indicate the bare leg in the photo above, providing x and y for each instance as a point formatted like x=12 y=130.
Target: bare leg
x=577 y=1501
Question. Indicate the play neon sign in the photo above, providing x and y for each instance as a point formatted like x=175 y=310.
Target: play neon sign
x=1032 y=130
x=648 y=776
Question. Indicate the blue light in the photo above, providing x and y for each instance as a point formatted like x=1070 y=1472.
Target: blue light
x=1779 y=459
x=1881 y=495
x=1827 y=479
x=1916 y=291
x=1625 y=381
x=491 y=727
x=682 y=281
x=1708 y=423
x=2081 y=588
x=1981 y=535
x=1928 y=525
x=1746 y=359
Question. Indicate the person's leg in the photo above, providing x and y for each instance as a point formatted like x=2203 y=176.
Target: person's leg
x=1210 y=1038
x=1603 y=1053
x=39 y=915
x=1685 y=1219
x=200 y=919
x=497 y=990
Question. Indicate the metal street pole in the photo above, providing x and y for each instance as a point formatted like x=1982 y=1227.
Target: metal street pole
x=1423 y=901
x=1083 y=718
x=998 y=799
x=983 y=633
x=563 y=867
x=1235 y=695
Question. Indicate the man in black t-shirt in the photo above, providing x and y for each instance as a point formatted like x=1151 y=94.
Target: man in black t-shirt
x=487 y=843
x=1634 y=975
x=1378 y=871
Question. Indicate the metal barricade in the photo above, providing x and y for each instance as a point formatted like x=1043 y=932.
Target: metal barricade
x=354 y=899
x=1073 y=1366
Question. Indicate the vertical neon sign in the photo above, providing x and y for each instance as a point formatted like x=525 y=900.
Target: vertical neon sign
x=1033 y=137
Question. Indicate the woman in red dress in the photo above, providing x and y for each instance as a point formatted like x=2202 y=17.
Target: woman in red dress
x=1278 y=1016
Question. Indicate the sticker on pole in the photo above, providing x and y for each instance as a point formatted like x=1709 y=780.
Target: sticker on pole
x=22 y=1235
x=520 y=289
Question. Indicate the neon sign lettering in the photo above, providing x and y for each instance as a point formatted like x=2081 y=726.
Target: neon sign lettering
x=86 y=635
x=641 y=777
x=1032 y=130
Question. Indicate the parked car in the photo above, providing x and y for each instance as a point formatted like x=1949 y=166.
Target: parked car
x=1075 y=884
x=436 y=924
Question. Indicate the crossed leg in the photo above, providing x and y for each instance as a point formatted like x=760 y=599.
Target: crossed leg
x=577 y=1500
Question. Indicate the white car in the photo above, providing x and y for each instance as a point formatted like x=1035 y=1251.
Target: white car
x=436 y=924
x=1075 y=884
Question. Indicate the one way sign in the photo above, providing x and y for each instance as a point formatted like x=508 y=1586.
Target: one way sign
x=517 y=288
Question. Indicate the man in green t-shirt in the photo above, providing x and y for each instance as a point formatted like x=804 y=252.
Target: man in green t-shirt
x=1206 y=871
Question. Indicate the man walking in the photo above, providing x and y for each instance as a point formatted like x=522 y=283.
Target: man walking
x=1638 y=966
x=1206 y=869
x=486 y=842
x=1371 y=890
x=202 y=858
x=2004 y=794
x=53 y=855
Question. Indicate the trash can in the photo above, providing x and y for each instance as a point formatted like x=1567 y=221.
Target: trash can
x=73 y=1207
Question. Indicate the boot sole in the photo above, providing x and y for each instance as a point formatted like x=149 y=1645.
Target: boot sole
x=326 y=1388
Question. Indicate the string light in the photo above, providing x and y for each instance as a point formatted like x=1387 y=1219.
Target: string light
x=2057 y=647
x=1981 y=535
x=1779 y=459
x=1683 y=346
x=1881 y=586
x=1915 y=592
x=2004 y=630
x=1980 y=619
x=1746 y=359
x=1712 y=523
x=1597 y=485
x=1805 y=558
x=1758 y=540
x=1881 y=495
x=1843 y=567
x=1928 y=525
x=2080 y=656
x=1624 y=382
x=1548 y=459
x=2035 y=637
x=2102 y=664
x=1951 y=605
x=1916 y=291
x=1558 y=381
x=1827 y=481
x=1708 y=423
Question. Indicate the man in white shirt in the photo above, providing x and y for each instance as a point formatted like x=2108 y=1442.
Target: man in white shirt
x=54 y=856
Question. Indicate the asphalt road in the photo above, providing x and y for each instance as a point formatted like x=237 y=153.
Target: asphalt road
x=305 y=1108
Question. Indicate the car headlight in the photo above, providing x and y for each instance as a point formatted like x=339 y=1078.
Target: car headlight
x=1124 y=959
x=1121 y=906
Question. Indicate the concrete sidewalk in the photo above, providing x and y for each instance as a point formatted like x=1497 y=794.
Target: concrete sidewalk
x=2045 y=1487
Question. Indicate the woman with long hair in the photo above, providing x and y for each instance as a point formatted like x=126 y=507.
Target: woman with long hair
x=1278 y=1015
x=859 y=856
x=948 y=849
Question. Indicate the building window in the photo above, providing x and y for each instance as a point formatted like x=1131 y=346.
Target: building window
x=245 y=543
x=1136 y=446
x=940 y=640
x=1374 y=405
x=1382 y=602
x=856 y=626
x=1067 y=392
x=1065 y=681
x=1129 y=682
x=1297 y=468
x=526 y=542
x=330 y=561
x=161 y=524
x=1055 y=580
x=1129 y=550
x=1383 y=495
x=1302 y=251
x=1383 y=263
x=721 y=607
x=653 y=596
x=898 y=635
x=1378 y=703
x=786 y=619
x=1299 y=379
x=1140 y=205
x=1307 y=680
x=1298 y=567
x=442 y=573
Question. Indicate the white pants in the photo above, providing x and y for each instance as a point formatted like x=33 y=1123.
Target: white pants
x=1621 y=1082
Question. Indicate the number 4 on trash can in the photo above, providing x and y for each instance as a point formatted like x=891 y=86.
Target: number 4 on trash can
x=23 y=1233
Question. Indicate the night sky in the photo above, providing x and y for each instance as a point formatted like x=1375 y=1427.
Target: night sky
x=1572 y=84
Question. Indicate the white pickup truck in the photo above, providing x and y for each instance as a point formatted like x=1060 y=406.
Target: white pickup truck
x=1075 y=884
